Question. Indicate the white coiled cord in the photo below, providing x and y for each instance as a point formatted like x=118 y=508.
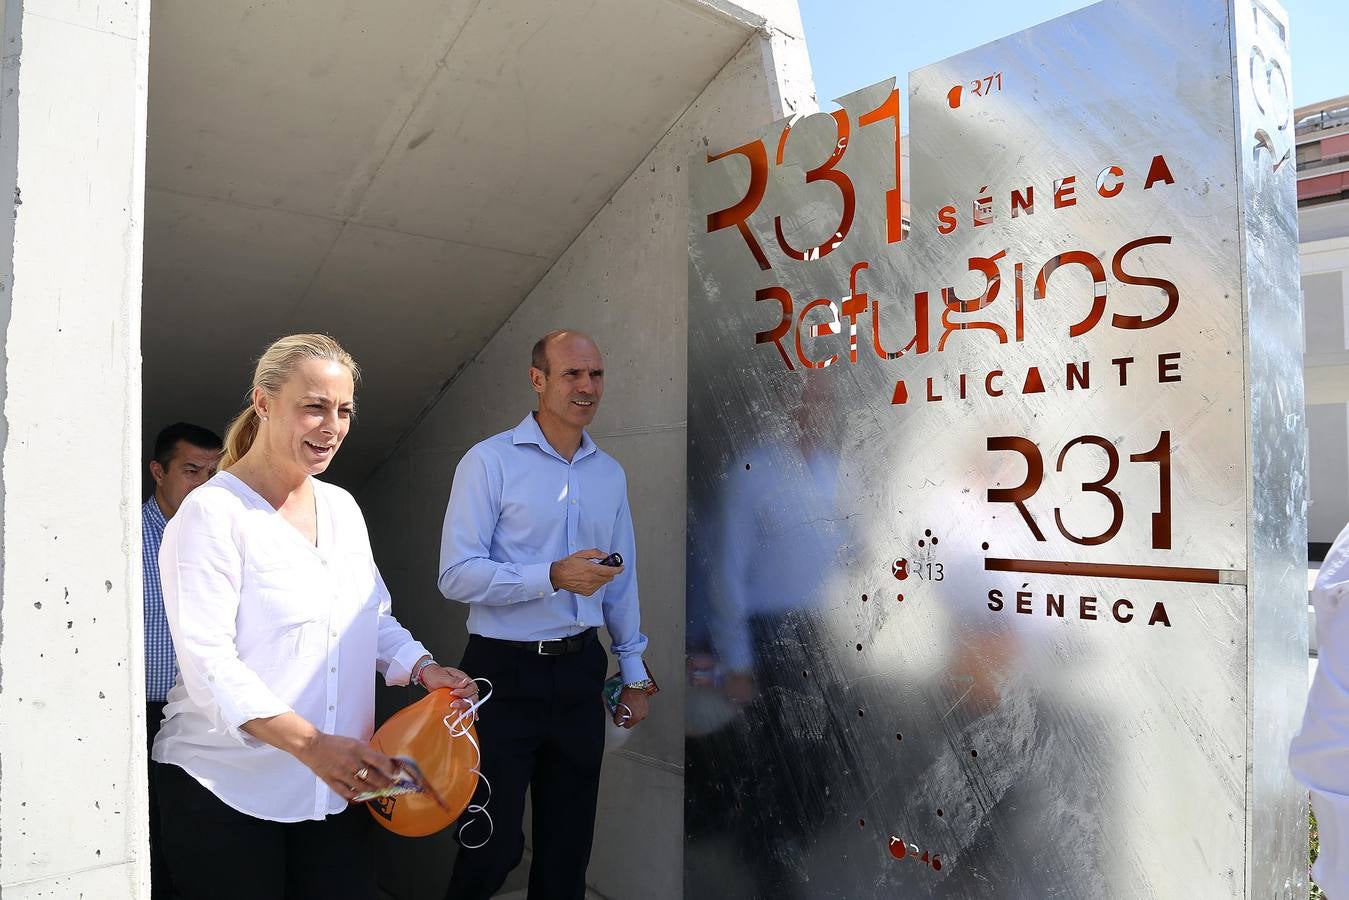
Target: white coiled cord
x=458 y=724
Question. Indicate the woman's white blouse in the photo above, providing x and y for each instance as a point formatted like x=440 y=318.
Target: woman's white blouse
x=265 y=622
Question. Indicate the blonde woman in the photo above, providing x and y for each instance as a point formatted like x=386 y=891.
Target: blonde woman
x=280 y=620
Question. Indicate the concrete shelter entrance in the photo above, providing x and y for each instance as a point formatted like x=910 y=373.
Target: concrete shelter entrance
x=399 y=176
x=407 y=178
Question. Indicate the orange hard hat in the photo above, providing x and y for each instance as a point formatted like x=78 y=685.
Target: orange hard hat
x=448 y=760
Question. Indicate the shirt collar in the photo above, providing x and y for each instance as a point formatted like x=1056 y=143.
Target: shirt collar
x=529 y=432
x=155 y=514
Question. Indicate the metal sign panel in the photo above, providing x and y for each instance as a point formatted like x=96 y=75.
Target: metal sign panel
x=996 y=521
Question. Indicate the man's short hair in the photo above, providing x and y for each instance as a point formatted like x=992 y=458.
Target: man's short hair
x=167 y=441
x=539 y=357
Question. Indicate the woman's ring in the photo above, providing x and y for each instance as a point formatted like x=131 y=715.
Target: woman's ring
x=362 y=773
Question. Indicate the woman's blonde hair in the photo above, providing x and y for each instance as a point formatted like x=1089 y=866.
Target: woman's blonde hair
x=274 y=369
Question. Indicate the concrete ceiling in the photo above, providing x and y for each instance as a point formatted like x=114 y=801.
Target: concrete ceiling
x=398 y=174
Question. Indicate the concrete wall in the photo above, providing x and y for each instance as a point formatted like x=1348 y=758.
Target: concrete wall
x=72 y=157
x=624 y=280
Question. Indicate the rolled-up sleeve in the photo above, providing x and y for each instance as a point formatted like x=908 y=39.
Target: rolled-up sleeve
x=201 y=569
x=622 y=614
x=468 y=573
x=397 y=650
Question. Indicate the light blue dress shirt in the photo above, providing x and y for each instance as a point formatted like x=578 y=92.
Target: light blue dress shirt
x=161 y=666
x=779 y=499
x=516 y=508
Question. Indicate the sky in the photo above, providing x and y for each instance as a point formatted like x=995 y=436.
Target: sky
x=854 y=43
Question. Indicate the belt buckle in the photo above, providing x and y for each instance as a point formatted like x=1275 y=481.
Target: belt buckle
x=540 y=645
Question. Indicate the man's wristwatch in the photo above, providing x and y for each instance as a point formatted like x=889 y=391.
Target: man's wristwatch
x=419 y=668
x=643 y=685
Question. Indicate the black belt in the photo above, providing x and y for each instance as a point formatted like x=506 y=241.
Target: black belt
x=558 y=647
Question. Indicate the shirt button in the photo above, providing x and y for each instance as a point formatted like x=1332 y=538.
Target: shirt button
x=334 y=634
x=324 y=561
x=573 y=502
x=333 y=669
x=331 y=708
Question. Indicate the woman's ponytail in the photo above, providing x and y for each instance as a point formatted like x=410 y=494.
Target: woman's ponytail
x=239 y=436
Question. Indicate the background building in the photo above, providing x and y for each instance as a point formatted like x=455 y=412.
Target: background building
x=1323 y=221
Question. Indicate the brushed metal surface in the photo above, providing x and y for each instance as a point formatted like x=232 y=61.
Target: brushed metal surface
x=1065 y=701
x=1277 y=525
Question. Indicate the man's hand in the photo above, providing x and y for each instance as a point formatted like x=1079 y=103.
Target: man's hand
x=637 y=703
x=579 y=575
x=739 y=687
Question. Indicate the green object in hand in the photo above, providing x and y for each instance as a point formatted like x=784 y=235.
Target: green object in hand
x=613 y=689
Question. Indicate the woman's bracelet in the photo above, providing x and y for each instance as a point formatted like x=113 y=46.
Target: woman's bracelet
x=419 y=668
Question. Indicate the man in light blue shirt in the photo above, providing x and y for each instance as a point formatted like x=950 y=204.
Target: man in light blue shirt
x=531 y=513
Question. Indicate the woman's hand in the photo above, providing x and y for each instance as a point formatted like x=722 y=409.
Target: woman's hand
x=462 y=686
x=347 y=765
